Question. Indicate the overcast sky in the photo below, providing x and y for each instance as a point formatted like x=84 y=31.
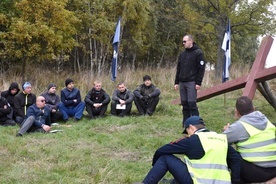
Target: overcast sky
x=271 y=58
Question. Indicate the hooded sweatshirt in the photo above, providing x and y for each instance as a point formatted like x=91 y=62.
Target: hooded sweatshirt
x=237 y=133
x=8 y=95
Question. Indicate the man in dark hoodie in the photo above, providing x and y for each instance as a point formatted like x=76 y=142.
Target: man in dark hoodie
x=96 y=101
x=9 y=96
x=22 y=101
x=189 y=75
x=146 y=97
x=5 y=110
x=52 y=100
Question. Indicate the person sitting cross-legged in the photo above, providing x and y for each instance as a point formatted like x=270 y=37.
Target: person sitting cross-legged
x=71 y=104
x=96 y=101
x=122 y=99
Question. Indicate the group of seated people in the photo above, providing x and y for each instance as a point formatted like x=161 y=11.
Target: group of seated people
x=17 y=107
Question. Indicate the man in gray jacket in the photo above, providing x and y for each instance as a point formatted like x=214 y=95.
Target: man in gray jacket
x=254 y=137
x=121 y=100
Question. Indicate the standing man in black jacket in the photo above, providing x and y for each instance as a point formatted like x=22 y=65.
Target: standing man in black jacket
x=146 y=97
x=96 y=101
x=189 y=75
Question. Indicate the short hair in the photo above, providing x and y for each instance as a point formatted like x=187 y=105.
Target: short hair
x=97 y=82
x=244 y=105
x=191 y=37
x=120 y=83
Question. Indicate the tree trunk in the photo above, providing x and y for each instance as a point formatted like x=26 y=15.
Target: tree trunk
x=23 y=69
x=91 y=54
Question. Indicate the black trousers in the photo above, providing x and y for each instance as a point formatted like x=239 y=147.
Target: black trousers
x=251 y=173
x=120 y=112
x=146 y=107
x=56 y=116
x=92 y=111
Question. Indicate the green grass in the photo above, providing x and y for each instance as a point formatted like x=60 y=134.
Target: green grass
x=109 y=150
x=106 y=150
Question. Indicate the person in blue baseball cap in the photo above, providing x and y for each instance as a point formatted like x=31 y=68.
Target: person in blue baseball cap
x=208 y=158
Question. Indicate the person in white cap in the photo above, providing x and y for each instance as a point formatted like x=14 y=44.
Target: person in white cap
x=22 y=101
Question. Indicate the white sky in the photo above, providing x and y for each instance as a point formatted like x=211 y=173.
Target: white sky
x=271 y=58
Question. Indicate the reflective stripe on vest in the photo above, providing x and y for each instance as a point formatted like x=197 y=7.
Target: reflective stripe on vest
x=212 y=167
x=261 y=146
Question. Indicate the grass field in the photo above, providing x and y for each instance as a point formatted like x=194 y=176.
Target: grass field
x=109 y=150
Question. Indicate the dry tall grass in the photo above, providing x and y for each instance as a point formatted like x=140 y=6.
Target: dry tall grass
x=163 y=78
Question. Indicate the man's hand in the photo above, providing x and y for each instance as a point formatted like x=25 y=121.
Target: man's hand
x=176 y=86
x=122 y=102
x=197 y=87
x=226 y=127
x=54 y=110
x=97 y=105
x=46 y=128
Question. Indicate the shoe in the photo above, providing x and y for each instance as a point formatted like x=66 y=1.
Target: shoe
x=65 y=120
x=19 y=135
x=121 y=115
x=75 y=120
x=137 y=183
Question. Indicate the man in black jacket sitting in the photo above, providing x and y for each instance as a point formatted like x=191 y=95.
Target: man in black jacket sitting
x=146 y=97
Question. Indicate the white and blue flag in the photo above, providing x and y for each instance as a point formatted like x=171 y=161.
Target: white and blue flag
x=226 y=46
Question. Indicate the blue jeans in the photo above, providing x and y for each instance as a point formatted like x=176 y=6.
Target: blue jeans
x=75 y=112
x=172 y=164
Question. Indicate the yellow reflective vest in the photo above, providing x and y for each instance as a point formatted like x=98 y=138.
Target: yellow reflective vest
x=261 y=146
x=212 y=167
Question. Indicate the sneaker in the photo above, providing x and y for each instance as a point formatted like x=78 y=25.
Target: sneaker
x=19 y=135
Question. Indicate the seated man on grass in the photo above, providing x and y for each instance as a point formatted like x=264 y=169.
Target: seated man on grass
x=37 y=118
x=71 y=104
x=207 y=158
x=254 y=137
x=146 y=97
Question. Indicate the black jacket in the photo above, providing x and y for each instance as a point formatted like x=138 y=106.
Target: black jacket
x=191 y=66
x=4 y=112
x=144 y=90
x=8 y=95
x=21 y=104
x=94 y=96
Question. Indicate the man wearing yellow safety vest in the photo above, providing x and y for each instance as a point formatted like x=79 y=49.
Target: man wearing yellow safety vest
x=207 y=158
x=254 y=137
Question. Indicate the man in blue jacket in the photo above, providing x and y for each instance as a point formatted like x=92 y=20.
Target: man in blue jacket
x=71 y=104
x=37 y=118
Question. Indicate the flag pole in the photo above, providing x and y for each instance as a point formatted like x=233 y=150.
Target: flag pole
x=226 y=46
x=115 y=45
